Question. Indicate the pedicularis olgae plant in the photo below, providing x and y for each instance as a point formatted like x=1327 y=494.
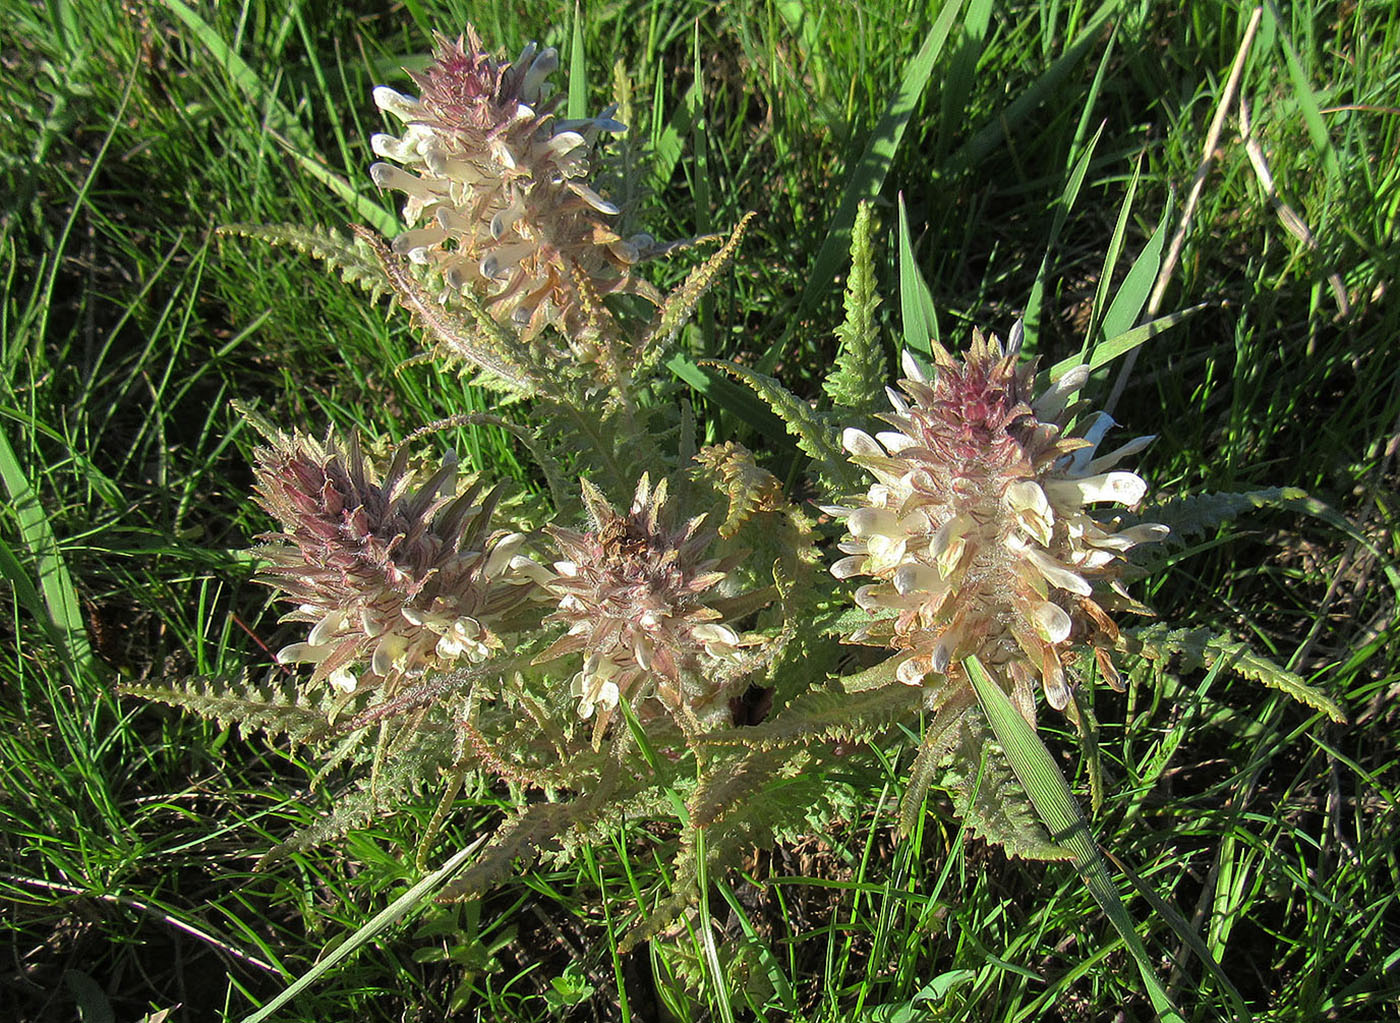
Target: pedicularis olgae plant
x=663 y=631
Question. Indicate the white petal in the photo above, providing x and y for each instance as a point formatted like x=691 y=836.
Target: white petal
x=871 y=521
x=1115 y=456
x=389 y=654
x=897 y=401
x=449 y=647
x=1015 y=339
x=1099 y=425
x=872 y=598
x=1058 y=574
x=411 y=242
x=848 y=567
x=565 y=141
x=304 y=653
x=343 y=679
x=503 y=554
x=858 y=442
x=326 y=628
x=1031 y=508
x=718 y=640
x=592 y=198
x=391 y=148
x=1053 y=401
x=1121 y=487
x=1146 y=532
x=1056 y=691
x=541 y=68
x=910 y=673
x=894 y=441
x=884 y=552
x=948 y=543
x=911 y=367
x=942 y=654
x=913 y=577
x=530 y=569
x=405 y=108
x=1093 y=558
x=386 y=175
x=1051 y=622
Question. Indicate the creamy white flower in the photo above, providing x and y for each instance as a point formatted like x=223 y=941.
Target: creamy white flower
x=981 y=530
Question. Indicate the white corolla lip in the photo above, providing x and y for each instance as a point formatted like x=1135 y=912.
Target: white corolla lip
x=949 y=542
x=847 y=568
x=1058 y=574
x=1051 y=622
x=911 y=367
x=343 y=679
x=405 y=108
x=326 y=628
x=304 y=653
x=1105 y=462
x=1053 y=401
x=894 y=441
x=858 y=442
x=1120 y=487
x=871 y=521
x=1027 y=501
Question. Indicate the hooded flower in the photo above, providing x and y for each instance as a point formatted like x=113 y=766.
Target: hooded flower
x=981 y=530
x=395 y=581
x=637 y=596
x=497 y=189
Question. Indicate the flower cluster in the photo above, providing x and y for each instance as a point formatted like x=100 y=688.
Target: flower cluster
x=637 y=597
x=498 y=192
x=978 y=530
x=395 y=581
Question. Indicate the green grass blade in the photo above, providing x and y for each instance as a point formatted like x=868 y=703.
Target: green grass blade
x=700 y=144
x=766 y=959
x=1131 y=299
x=1303 y=92
x=1183 y=930
x=390 y=914
x=727 y=395
x=710 y=958
x=284 y=126
x=1115 y=347
x=65 y=612
x=1066 y=203
x=667 y=137
x=25 y=594
x=1050 y=794
x=981 y=145
x=578 y=69
x=869 y=174
x=916 y=309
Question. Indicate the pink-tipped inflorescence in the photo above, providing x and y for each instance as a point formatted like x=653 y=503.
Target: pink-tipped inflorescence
x=639 y=601
x=980 y=531
x=395 y=580
x=498 y=197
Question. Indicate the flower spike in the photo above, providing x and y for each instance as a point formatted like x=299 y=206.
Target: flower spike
x=497 y=192
x=637 y=596
x=395 y=581
x=979 y=530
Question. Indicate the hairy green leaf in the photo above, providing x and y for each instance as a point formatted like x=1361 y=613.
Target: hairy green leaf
x=352 y=258
x=857 y=381
x=1203 y=647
